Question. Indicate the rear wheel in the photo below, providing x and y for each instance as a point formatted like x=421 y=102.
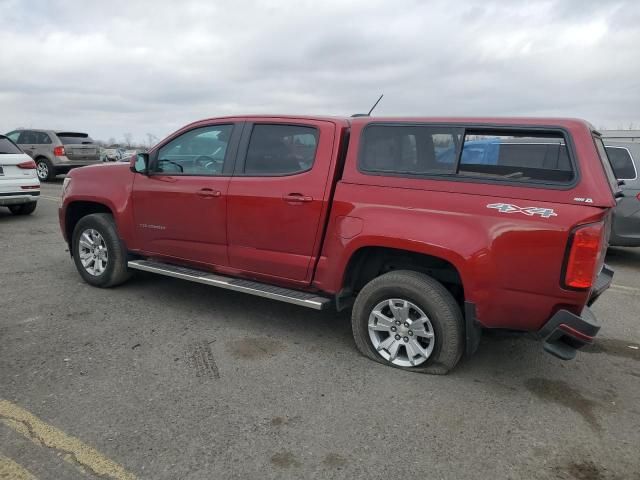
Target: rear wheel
x=45 y=170
x=23 y=208
x=98 y=253
x=408 y=320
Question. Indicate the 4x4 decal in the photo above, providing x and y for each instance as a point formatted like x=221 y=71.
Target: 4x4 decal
x=529 y=211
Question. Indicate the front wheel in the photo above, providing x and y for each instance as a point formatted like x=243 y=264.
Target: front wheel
x=98 y=253
x=408 y=320
x=23 y=208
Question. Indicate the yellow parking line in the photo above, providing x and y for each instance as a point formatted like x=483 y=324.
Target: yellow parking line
x=49 y=436
x=13 y=471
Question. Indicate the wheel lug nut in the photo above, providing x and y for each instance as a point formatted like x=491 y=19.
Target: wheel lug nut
x=406 y=339
x=397 y=322
x=393 y=329
x=410 y=333
x=406 y=324
x=397 y=337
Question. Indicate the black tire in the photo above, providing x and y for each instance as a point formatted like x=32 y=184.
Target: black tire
x=23 y=208
x=43 y=165
x=116 y=271
x=432 y=298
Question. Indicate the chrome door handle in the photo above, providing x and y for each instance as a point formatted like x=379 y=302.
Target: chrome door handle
x=297 y=198
x=208 y=193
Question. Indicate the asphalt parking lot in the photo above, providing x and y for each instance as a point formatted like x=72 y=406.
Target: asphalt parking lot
x=163 y=379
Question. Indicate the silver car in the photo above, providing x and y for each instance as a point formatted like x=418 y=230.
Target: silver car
x=56 y=152
x=625 y=160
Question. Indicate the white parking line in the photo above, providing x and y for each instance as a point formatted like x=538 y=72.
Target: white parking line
x=625 y=288
x=52 y=199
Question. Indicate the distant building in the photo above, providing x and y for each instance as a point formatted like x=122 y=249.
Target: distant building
x=621 y=135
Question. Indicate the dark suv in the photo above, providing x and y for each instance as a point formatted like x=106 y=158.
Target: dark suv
x=56 y=152
x=625 y=230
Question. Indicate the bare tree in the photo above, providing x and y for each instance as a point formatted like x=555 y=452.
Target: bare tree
x=151 y=140
x=127 y=139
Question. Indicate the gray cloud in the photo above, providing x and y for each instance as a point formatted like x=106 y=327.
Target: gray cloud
x=119 y=66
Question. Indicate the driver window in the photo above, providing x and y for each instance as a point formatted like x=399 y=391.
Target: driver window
x=200 y=151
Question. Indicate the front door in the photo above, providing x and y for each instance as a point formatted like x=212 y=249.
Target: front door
x=278 y=198
x=180 y=207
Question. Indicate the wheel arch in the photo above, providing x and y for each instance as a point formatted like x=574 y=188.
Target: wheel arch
x=78 y=209
x=367 y=262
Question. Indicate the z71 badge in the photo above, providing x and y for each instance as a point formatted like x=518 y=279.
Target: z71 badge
x=529 y=211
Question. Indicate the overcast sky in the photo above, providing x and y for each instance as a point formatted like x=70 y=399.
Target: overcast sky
x=112 y=67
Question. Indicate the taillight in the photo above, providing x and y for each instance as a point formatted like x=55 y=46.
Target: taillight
x=58 y=151
x=29 y=164
x=586 y=251
x=638 y=197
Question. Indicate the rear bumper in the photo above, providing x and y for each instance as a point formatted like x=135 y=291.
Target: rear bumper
x=566 y=332
x=17 y=198
x=67 y=163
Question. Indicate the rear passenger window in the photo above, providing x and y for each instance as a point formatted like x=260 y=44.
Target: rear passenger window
x=622 y=163
x=280 y=150
x=41 y=138
x=526 y=157
x=409 y=149
x=27 y=137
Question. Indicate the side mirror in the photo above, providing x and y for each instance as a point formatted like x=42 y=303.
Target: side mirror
x=140 y=163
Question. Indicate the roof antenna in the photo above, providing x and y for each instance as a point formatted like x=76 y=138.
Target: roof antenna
x=374 y=106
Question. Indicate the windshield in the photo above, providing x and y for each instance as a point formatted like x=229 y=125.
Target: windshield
x=75 y=138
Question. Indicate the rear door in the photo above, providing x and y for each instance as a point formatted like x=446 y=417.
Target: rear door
x=27 y=142
x=42 y=145
x=277 y=197
x=180 y=208
x=79 y=147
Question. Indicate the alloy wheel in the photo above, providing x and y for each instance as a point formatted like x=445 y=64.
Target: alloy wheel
x=43 y=170
x=93 y=252
x=401 y=332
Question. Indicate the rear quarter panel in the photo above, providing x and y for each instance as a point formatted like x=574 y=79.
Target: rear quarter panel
x=510 y=264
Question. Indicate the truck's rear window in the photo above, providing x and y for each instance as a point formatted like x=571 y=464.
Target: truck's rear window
x=529 y=157
x=72 y=138
x=410 y=149
x=489 y=153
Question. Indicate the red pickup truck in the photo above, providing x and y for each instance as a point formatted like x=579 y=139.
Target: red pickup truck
x=429 y=229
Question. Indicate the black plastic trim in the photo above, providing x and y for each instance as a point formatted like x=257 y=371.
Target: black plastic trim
x=22 y=193
x=473 y=332
x=561 y=343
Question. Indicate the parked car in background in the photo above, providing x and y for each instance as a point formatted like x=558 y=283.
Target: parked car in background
x=56 y=152
x=19 y=185
x=625 y=160
x=112 y=154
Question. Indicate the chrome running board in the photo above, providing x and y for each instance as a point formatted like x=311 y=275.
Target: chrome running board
x=304 y=299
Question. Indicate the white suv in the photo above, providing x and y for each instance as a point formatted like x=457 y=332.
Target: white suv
x=19 y=184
